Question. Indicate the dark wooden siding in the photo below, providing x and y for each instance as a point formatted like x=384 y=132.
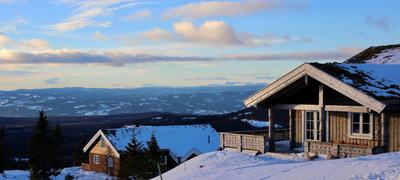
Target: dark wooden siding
x=338 y=130
x=298 y=127
x=394 y=131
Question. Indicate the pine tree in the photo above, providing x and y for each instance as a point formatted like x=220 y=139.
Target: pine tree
x=57 y=151
x=153 y=156
x=4 y=160
x=132 y=161
x=39 y=150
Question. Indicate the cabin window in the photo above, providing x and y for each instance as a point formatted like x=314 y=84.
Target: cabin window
x=313 y=126
x=101 y=142
x=360 y=125
x=110 y=162
x=96 y=159
x=163 y=160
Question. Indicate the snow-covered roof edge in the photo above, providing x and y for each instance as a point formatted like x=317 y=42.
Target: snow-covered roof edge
x=94 y=139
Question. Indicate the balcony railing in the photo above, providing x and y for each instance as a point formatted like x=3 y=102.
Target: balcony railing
x=250 y=140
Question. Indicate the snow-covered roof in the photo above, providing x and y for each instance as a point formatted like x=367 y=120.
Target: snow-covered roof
x=381 y=81
x=179 y=139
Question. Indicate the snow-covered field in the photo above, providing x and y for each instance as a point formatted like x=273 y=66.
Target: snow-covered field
x=233 y=165
x=74 y=171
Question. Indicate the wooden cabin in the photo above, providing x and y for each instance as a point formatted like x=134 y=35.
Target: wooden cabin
x=343 y=110
x=177 y=145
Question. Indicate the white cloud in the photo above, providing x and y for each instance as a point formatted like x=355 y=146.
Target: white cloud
x=217 y=33
x=99 y=36
x=339 y=54
x=138 y=15
x=158 y=34
x=30 y=44
x=227 y=8
x=87 y=13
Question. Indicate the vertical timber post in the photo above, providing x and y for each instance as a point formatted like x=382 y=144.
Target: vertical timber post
x=385 y=133
x=271 y=130
x=322 y=115
x=291 y=130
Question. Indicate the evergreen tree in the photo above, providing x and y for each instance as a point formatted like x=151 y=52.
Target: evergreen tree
x=57 y=149
x=153 y=157
x=4 y=160
x=39 y=150
x=133 y=160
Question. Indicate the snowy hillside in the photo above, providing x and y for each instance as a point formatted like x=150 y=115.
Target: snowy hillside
x=232 y=165
x=76 y=172
x=389 y=54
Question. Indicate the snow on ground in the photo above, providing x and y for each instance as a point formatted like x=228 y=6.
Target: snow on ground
x=390 y=56
x=233 y=165
x=74 y=171
x=259 y=124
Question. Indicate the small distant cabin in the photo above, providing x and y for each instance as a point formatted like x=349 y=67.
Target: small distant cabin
x=343 y=110
x=177 y=145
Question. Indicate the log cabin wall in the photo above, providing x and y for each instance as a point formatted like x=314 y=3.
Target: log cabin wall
x=103 y=151
x=393 y=131
x=338 y=130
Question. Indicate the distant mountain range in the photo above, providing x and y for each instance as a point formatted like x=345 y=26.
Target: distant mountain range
x=203 y=100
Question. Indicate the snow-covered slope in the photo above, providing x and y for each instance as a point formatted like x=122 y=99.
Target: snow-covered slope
x=389 y=54
x=76 y=172
x=232 y=165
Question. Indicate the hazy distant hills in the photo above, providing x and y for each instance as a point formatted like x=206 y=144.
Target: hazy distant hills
x=88 y=101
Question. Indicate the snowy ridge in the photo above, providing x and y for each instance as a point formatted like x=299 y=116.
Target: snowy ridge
x=180 y=139
x=232 y=165
x=390 y=56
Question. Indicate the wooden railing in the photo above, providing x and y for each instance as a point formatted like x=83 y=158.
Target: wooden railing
x=338 y=150
x=85 y=167
x=250 y=140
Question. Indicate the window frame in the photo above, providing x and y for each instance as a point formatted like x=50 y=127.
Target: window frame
x=96 y=159
x=360 y=135
x=163 y=160
x=110 y=159
x=316 y=130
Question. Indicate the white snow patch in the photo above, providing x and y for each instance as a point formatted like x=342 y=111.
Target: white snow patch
x=389 y=56
x=232 y=166
x=74 y=171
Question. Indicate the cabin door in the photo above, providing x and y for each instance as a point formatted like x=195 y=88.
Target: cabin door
x=312 y=129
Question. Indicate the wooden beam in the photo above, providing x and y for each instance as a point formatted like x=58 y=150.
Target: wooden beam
x=385 y=132
x=345 y=108
x=322 y=116
x=271 y=128
x=291 y=130
x=310 y=107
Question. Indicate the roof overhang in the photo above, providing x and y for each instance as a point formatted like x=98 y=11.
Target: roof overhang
x=321 y=76
x=93 y=140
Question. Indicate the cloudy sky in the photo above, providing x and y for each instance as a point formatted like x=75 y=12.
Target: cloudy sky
x=136 y=43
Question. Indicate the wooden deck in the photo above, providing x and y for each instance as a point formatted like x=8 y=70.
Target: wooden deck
x=250 y=140
x=339 y=150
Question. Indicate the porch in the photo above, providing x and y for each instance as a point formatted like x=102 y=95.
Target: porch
x=253 y=141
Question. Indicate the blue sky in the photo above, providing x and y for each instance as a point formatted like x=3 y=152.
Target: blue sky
x=136 y=43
